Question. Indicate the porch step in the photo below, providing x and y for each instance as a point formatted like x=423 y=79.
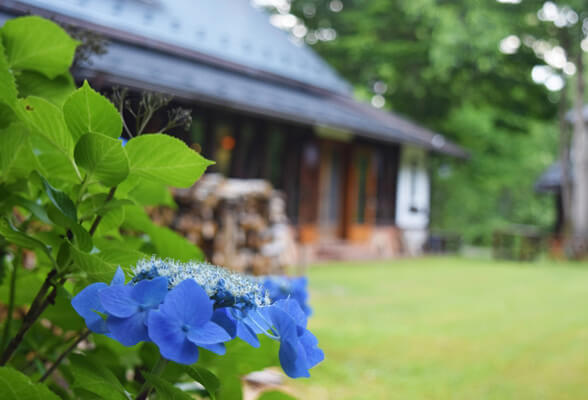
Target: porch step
x=342 y=250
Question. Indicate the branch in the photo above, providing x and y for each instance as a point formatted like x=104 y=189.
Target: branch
x=11 y=294
x=62 y=356
x=99 y=217
x=38 y=305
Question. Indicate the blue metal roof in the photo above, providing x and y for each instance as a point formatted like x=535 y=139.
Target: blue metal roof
x=143 y=68
x=230 y=30
x=322 y=99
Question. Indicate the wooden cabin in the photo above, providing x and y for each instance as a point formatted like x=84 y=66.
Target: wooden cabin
x=266 y=107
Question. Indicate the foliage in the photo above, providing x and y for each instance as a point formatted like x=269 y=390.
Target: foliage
x=72 y=197
x=439 y=64
x=71 y=211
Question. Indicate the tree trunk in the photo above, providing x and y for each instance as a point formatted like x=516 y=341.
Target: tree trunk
x=580 y=169
x=564 y=157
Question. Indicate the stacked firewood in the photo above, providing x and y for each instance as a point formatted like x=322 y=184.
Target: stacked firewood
x=238 y=223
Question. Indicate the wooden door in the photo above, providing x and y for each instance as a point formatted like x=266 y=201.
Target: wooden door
x=331 y=190
x=361 y=194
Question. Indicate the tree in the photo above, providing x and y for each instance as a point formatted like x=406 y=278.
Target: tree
x=558 y=40
x=459 y=68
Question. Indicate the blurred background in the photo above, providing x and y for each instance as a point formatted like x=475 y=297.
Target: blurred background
x=425 y=162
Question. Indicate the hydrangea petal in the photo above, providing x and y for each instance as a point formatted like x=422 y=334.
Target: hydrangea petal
x=284 y=324
x=208 y=333
x=150 y=293
x=293 y=359
x=246 y=334
x=314 y=355
x=293 y=309
x=222 y=317
x=167 y=334
x=258 y=320
x=118 y=278
x=86 y=303
x=129 y=331
x=217 y=348
x=117 y=301
x=189 y=303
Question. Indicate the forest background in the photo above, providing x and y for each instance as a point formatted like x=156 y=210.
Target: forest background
x=493 y=76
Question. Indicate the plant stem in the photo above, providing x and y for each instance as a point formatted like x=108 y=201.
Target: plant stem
x=8 y=323
x=144 y=122
x=99 y=217
x=62 y=356
x=82 y=189
x=156 y=371
x=40 y=302
x=37 y=307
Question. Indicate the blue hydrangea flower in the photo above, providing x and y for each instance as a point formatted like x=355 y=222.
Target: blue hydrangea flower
x=88 y=305
x=224 y=287
x=129 y=305
x=244 y=324
x=184 y=306
x=183 y=322
x=283 y=287
x=298 y=346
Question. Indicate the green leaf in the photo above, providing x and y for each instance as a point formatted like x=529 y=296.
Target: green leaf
x=95 y=378
x=151 y=193
x=170 y=244
x=46 y=119
x=275 y=395
x=103 y=158
x=164 y=389
x=60 y=200
x=88 y=111
x=165 y=159
x=7 y=115
x=52 y=162
x=205 y=378
x=16 y=155
x=111 y=220
x=17 y=386
x=81 y=237
x=36 y=209
x=8 y=92
x=62 y=314
x=96 y=204
x=137 y=219
x=82 y=393
x=119 y=255
x=239 y=360
x=3 y=264
x=63 y=254
x=37 y=44
x=19 y=238
x=167 y=242
x=9 y=197
x=27 y=285
x=56 y=90
x=96 y=269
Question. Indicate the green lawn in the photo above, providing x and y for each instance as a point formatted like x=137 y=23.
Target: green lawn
x=445 y=328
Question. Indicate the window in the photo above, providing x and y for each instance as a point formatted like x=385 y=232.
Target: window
x=224 y=144
x=413 y=185
x=362 y=171
x=387 y=167
x=197 y=135
x=275 y=162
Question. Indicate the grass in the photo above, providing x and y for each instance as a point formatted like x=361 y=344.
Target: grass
x=445 y=328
